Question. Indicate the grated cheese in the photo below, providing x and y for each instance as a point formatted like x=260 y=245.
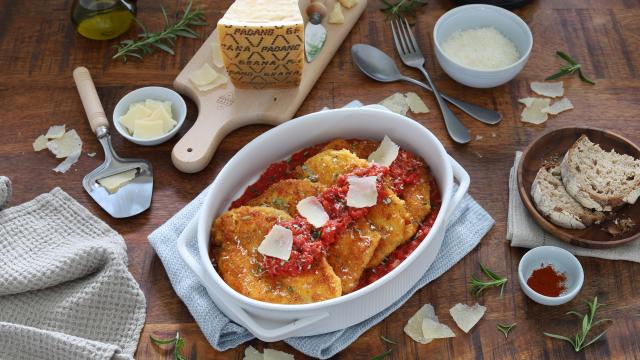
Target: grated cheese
x=482 y=48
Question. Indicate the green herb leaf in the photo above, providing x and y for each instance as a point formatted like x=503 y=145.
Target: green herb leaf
x=571 y=67
x=401 y=8
x=164 y=40
x=506 y=328
x=387 y=340
x=587 y=324
x=478 y=286
x=178 y=345
x=382 y=355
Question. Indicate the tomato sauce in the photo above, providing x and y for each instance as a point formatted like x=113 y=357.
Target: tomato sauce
x=310 y=244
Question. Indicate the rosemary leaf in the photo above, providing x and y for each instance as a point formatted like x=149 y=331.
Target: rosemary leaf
x=178 y=345
x=387 y=340
x=478 y=285
x=163 y=40
x=382 y=355
x=571 y=67
x=506 y=328
x=400 y=8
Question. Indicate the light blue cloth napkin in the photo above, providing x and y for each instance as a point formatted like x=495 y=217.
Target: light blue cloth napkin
x=467 y=226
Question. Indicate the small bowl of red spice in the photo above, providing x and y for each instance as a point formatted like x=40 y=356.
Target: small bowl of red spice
x=550 y=275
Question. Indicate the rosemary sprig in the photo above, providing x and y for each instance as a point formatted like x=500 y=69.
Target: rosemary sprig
x=506 y=328
x=587 y=323
x=387 y=340
x=382 y=355
x=478 y=286
x=401 y=7
x=178 y=345
x=571 y=67
x=164 y=40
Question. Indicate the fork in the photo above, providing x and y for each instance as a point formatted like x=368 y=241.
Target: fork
x=412 y=56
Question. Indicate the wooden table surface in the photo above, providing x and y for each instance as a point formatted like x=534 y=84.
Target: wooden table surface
x=39 y=49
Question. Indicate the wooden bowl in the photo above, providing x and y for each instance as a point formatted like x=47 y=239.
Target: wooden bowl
x=554 y=144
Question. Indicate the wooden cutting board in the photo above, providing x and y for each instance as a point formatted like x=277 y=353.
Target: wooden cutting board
x=225 y=108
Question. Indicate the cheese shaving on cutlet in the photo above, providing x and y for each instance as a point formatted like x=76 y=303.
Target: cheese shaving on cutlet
x=362 y=191
x=533 y=113
x=397 y=103
x=559 y=106
x=386 y=153
x=432 y=329
x=465 y=316
x=277 y=243
x=548 y=89
x=311 y=209
x=413 y=328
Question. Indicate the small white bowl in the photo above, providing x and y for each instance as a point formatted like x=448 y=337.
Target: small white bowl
x=562 y=261
x=475 y=16
x=178 y=109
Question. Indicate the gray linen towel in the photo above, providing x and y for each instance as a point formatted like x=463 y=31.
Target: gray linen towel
x=468 y=224
x=65 y=290
x=523 y=231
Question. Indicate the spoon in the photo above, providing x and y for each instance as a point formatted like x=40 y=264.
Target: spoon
x=379 y=66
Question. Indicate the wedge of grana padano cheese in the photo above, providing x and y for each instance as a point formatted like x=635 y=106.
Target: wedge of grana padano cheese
x=263 y=43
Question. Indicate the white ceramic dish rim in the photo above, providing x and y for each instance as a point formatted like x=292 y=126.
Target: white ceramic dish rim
x=557 y=299
x=204 y=224
x=150 y=89
x=523 y=57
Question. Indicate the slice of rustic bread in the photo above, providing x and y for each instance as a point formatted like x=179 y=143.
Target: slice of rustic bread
x=553 y=201
x=598 y=179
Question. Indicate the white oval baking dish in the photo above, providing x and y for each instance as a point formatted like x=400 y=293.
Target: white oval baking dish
x=274 y=322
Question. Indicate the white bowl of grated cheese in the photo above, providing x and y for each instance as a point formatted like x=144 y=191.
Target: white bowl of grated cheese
x=482 y=46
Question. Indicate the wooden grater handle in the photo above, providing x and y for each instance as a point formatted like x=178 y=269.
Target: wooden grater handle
x=90 y=99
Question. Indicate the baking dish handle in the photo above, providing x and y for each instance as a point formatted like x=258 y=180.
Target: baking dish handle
x=277 y=332
x=462 y=177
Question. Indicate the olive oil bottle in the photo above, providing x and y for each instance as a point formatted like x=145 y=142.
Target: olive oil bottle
x=103 y=19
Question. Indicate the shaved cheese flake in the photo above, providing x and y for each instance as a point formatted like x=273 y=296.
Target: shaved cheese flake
x=533 y=114
x=467 y=316
x=336 y=16
x=67 y=163
x=386 y=153
x=362 y=191
x=559 y=106
x=271 y=354
x=203 y=76
x=55 y=132
x=432 y=329
x=397 y=103
x=40 y=143
x=311 y=209
x=527 y=101
x=220 y=80
x=416 y=105
x=113 y=183
x=216 y=53
x=277 y=243
x=68 y=144
x=549 y=89
x=250 y=353
x=413 y=328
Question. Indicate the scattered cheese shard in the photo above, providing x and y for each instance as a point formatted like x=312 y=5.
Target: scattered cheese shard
x=149 y=128
x=271 y=354
x=216 y=53
x=263 y=43
x=55 y=132
x=467 y=316
x=68 y=144
x=413 y=328
x=559 y=106
x=277 y=243
x=136 y=111
x=396 y=103
x=203 y=76
x=91 y=154
x=336 y=16
x=250 y=353
x=220 y=80
x=549 y=89
x=113 y=183
x=311 y=209
x=348 y=3
x=66 y=164
x=40 y=143
x=362 y=192
x=416 y=105
x=533 y=113
x=432 y=329
x=386 y=153
x=527 y=101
